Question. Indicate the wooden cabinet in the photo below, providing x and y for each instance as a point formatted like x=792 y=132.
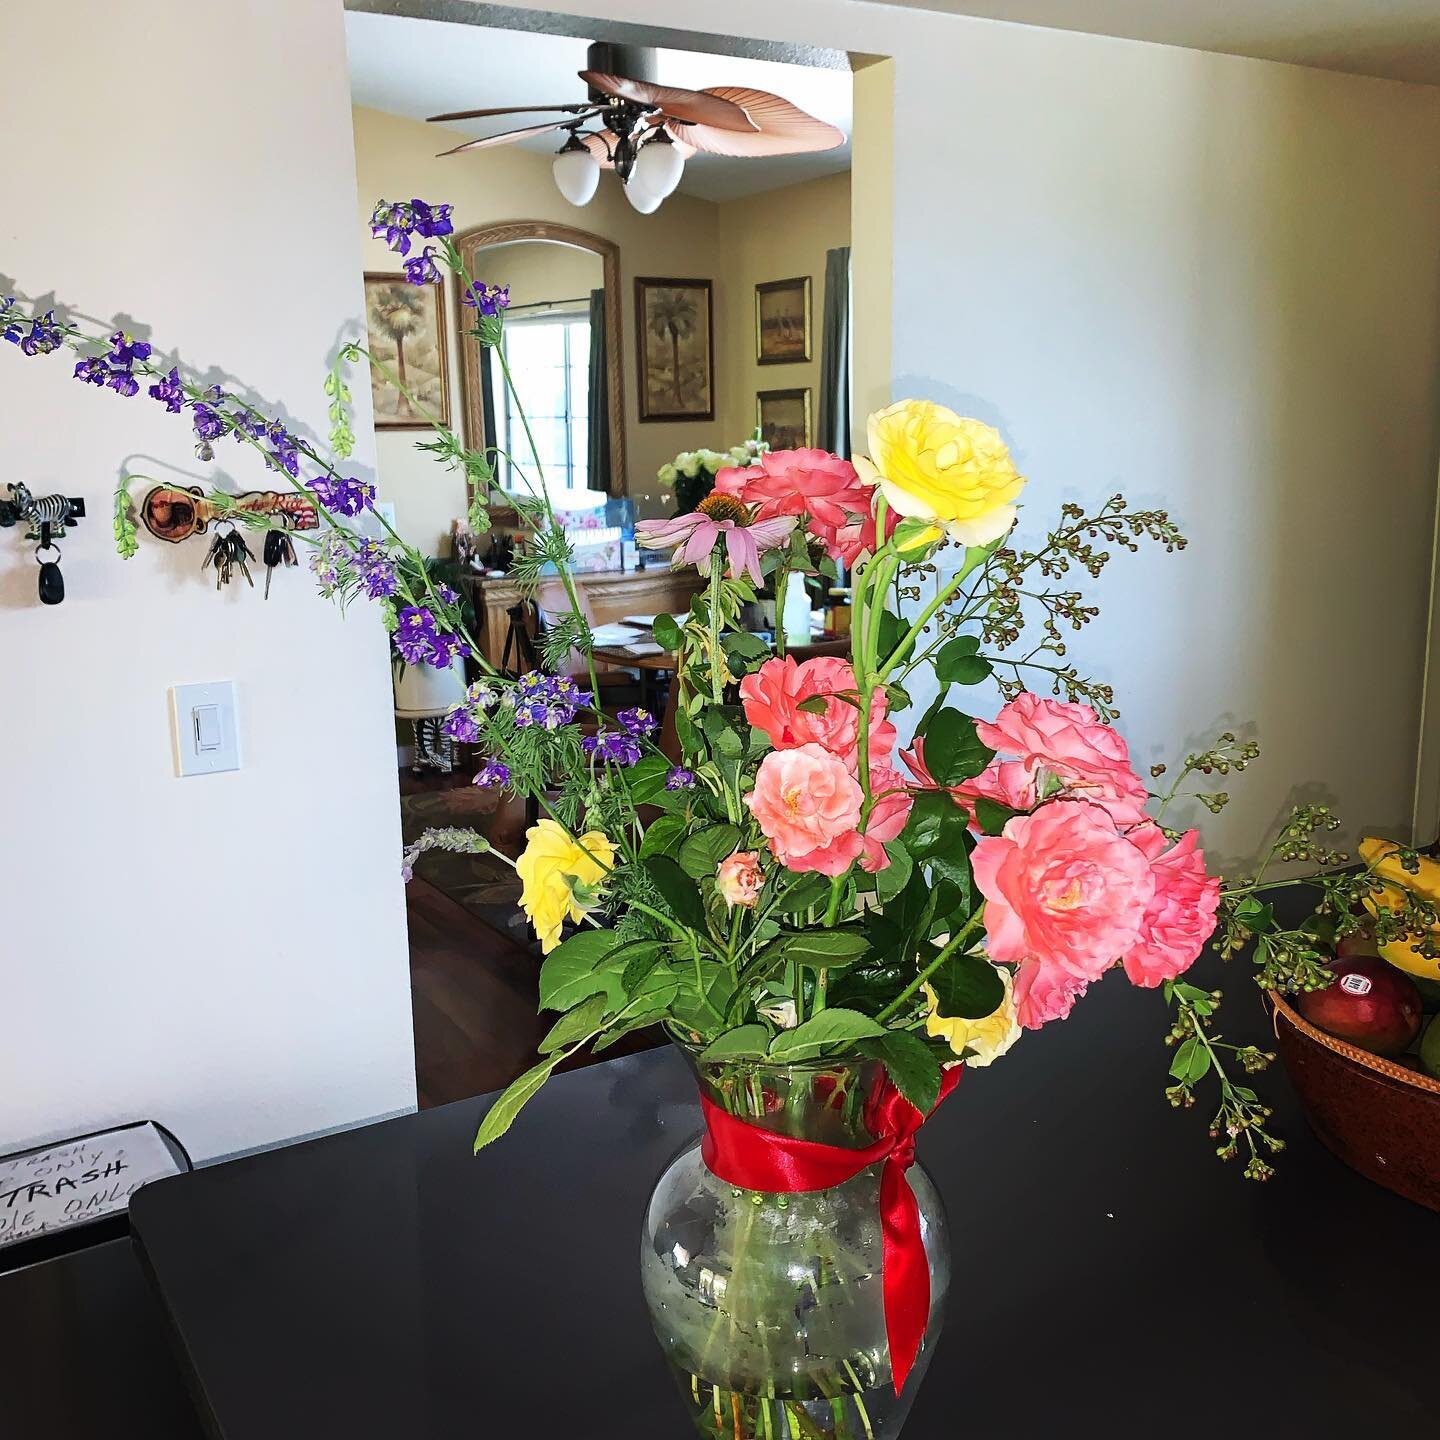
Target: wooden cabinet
x=608 y=596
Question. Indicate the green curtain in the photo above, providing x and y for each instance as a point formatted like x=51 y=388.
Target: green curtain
x=833 y=424
x=599 y=402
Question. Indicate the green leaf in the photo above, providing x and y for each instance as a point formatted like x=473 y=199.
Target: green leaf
x=910 y=1064
x=666 y=632
x=745 y=1040
x=819 y=949
x=651 y=1002
x=686 y=732
x=1184 y=1054
x=991 y=816
x=678 y=890
x=892 y=631
x=573 y=971
x=825 y=1031
x=937 y=834
x=689 y=1008
x=741 y=646
x=501 y=1115
x=803 y=895
x=958 y=664
x=1255 y=914
x=663 y=834
x=890 y=881
x=704 y=849
x=968 y=987
x=575 y=1025
x=897 y=698
x=1199 y=1063
x=953 y=751
x=639 y=958
x=815 y=705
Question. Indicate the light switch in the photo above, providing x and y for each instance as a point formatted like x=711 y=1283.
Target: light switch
x=204 y=729
x=207 y=727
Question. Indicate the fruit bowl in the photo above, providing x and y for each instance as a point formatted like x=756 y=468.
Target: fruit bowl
x=1378 y=1116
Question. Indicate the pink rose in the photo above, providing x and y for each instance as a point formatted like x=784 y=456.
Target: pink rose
x=1180 y=917
x=1051 y=738
x=738 y=879
x=888 y=813
x=772 y=697
x=856 y=538
x=1063 y=887
x=1043 y=993
x=813 y=483
x=807 y=804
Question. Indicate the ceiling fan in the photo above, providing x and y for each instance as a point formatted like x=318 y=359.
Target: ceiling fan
x=645 y=131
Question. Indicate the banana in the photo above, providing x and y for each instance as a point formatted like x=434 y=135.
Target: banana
x=1379 y=855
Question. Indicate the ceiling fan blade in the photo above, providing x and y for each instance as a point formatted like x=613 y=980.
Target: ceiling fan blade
x=696 y=106
x=508 y=137
x=506 y=110
x=596 y=145
x=781 y=128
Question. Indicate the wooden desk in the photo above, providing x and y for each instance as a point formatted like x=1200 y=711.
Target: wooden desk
x=610 y=595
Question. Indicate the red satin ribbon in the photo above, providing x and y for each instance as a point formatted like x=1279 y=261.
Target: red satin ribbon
x=742 y=1154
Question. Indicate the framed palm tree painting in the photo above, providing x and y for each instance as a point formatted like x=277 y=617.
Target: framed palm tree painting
x=409 y=375
x=676 y=334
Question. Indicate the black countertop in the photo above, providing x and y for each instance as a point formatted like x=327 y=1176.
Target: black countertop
x=1110 y=1274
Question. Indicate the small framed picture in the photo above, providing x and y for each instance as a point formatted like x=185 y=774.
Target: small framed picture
x=782 y=321
x=406 y=325
x=784 y=418
x=674 y=325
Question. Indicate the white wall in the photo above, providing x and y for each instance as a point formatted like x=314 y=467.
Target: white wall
x=1212 y=283
x=225 y=954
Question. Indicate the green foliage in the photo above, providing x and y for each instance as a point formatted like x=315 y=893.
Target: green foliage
x=967 y=986
x=126 y=541
x=958 y=662
x=953 y=751
x=678 y=890
x=911 y=1065
x=832 y=948
x=704 y=849
x=830 y=1029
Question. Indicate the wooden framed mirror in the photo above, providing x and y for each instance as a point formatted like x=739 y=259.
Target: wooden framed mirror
x=565 y=287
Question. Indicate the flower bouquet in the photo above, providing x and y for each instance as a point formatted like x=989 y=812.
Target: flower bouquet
x=829 y=922
x=693 y=472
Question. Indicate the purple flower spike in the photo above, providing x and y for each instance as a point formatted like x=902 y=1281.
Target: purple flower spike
x=680 y=779
x=431 y=221
x=170 y=392
x=92 y=372
x=421 y=269
x=613 y=746
x=345 y=497
x=460 y=725
x=638 y=722
x=125 y=349
x=487 y=299
x=493 y=773
x=209 y=425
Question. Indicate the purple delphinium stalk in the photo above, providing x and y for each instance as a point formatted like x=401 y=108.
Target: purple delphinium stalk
x=448 y=648
x=638 y=721
x=209 y=424
x=612 y=745
x=461 y=725
x=376 y=569
x=421 y=269
x=43 y=336
x=548 y=701
x=680 y=779
x=170 y=392
x=487 y=299
x=492 y=773
x=431 y=221
x=125 y=349
x=347 y=496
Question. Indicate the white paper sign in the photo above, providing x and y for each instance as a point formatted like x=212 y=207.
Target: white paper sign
x=79 y=1180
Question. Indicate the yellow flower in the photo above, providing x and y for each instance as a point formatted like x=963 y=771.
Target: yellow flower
x=986 y=1039
x=933 y=465
x=549 y=870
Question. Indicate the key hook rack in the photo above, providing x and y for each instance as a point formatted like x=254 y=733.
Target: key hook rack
x=47 y=516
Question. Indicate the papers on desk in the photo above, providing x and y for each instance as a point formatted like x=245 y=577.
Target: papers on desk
x=623 y=634
x=79 y=1180
x=647 y=622
x=638 y=649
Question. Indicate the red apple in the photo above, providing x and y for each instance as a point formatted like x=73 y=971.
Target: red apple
x=1357 y=942
x=1370 y=1004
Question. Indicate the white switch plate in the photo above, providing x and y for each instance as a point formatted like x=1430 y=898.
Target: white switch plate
x=202 y=722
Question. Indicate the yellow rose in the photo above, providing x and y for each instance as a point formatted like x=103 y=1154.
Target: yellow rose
x=552 y=865
x=933 y=465
x=986 y=1039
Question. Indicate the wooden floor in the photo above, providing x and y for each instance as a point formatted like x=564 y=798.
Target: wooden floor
x=474 y=994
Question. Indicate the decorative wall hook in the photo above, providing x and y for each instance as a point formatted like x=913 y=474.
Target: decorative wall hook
x=47 y=516
x=175 y=513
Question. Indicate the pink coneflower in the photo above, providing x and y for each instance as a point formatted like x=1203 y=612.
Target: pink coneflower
x=695 y=536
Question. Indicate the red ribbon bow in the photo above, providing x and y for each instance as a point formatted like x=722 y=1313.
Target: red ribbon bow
x=751 y=1158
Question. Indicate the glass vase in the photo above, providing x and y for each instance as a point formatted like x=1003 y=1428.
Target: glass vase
x=771 y=1307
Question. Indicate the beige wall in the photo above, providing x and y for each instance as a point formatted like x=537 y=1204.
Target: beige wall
x=225 y=954
x=395 y=158
x=773 y=236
